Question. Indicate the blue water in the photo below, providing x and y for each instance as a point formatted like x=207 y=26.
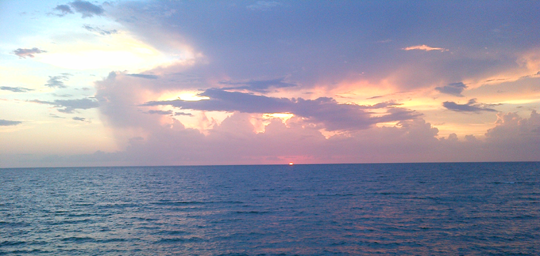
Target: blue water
x=417 y=209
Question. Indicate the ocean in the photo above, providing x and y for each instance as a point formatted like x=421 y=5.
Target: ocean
x=337 y=209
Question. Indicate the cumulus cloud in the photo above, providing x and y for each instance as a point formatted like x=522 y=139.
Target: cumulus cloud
x=258 y=85
x=85 y=8
x=57 y=81
x=514 y=138
x=512 y=125
x=424 y=48
x=15 y=89
x=100 y=31
x=8 y=122
x=24 y=52
x=471 y=106
x=69 y=106
x=452 y=89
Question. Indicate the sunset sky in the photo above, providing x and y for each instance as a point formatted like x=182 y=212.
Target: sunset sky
x=105 y=83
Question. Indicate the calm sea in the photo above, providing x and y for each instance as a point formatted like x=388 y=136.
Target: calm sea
x=360 y=209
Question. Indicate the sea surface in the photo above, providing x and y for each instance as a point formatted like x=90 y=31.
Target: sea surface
x=356 y=209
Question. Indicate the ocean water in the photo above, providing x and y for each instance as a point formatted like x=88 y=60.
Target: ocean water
x=357 y=209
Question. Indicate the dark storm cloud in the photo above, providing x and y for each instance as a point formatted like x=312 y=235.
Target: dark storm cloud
x=143 y=76
x=324 y=110
x=8 y=122
x=57 y=81
x=23 y=52
x=68 y=106
x=452 y=89
x=15 y=89
x=100 y=31
x=471 y=106
x=258 y=85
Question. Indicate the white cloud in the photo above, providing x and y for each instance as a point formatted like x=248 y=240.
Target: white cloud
x=424 y=48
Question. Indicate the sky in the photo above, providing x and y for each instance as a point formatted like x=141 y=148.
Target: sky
x=124 y=83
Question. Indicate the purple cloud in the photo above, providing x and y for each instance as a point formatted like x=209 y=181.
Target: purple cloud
x=470 y=106
x=24 y=52
x=452 y=89
x=258 y=85
x=333 y=115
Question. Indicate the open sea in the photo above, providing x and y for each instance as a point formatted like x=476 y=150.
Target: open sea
x=337 y=209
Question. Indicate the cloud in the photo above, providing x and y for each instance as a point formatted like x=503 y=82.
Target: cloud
x=23 y=52
x=63 y=10
x=160 y=112
x=79 y=119
x=511 y=125
x=470 y=106
x=312 y=55
x=85 y=8
x=182 y=114
x=57 y=81
x=8 y=122
x=167 y=113
x=452 y=89
x=15 y=89
x=143 y=76
x=326 y=111
x=100 y=30
x=62 y=95
x=424 y=48
x=68 y=106
x=514 y=138
x=315 y=58
x=258 y=85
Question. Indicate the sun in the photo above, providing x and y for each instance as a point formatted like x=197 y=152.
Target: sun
x=291 y=163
